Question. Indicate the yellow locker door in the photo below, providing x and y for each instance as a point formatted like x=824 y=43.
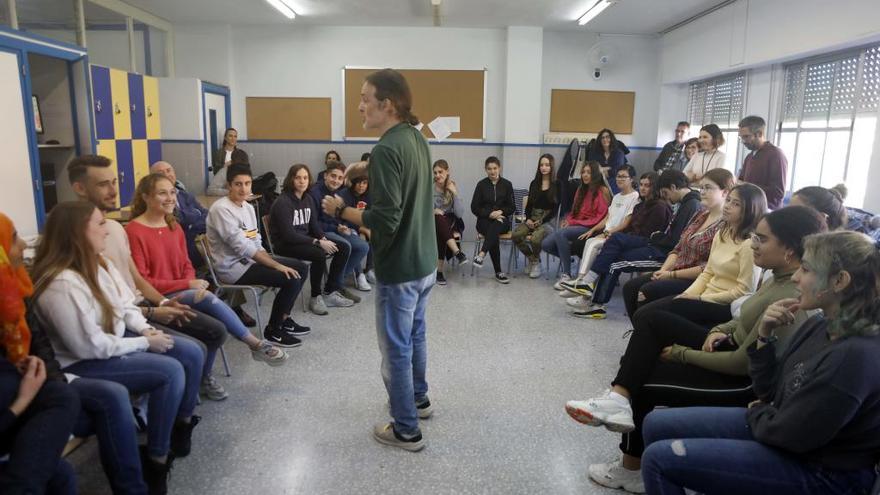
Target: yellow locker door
x=107 y=147
x=141 y=160
x=151 y=106
x=121 y=104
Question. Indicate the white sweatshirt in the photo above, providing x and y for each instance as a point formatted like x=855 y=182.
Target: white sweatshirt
x=72 y=317
x=233 y=237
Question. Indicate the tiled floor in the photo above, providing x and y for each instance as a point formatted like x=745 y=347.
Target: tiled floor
x=502 y=362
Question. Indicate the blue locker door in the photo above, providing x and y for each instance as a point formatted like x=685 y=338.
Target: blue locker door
x=154 y=150
x=136 y=100
x=102 y=101
x=125 y=169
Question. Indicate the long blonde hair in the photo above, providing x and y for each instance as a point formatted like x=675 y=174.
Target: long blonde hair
x=146 y=187
x=448 y=197
x=64 y=247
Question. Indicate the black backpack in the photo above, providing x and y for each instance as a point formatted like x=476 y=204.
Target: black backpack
x=266 y=186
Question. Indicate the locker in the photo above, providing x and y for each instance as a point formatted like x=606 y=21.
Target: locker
x=121 y=105
x=136 y=104
x=151 y=108
x=107 y=147
x=154 y=150
x=125 y=167
x=140 y=159
x=102 y=101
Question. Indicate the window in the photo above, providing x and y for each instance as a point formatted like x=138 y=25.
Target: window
x=829 y=114
x=719 y=101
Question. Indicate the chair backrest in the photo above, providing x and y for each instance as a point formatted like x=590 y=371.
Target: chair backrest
x=519 y=197
x=265 y=220
x=205 y=250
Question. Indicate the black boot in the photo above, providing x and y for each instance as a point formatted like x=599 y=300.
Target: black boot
x=181 y=436
x=155 y=473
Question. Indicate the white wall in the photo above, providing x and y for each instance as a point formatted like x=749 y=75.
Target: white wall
x=204 y=52
x=180 y=102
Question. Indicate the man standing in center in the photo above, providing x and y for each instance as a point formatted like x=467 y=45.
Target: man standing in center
x=401 y=219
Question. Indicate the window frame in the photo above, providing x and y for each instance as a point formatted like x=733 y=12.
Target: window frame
x=730 y=129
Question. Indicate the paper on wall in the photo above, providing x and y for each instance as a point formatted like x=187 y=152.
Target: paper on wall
x=453 y=123
x=419 y=126
x=439 y=128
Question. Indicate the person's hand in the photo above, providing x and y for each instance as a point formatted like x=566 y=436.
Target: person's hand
x=328 y=246
x=452 y=187
x=198 y=284
x=331 y=203
x=438 y=211
x=200 y=295
x=287 y=271
x=342 y=229
x=33 y=376
x=151 y=331
x=692 y=297
x=666 y=353
x=563 y=224
x=160 y=343
x=585 y=235
x=530 y=223
x=173 y=311
x=494 y=214
x=777 y=315
x=709 y=343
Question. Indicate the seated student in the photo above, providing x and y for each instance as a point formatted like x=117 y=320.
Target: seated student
x=357 y=196
x=689 y=256
x=296 y=233
x=39 y=409
x=814 y=429
x=601 y=280
x=609 y=155
x=493 y=206
x=540 y=208
x=98 y=332
x=448 y=213
x=590 y=208
x=158 y=249
x=695 y=368
x=828 y=202
x=339 y=232
x=239 y=257
x=190 y=214
x=617 y=220
x=711 y=138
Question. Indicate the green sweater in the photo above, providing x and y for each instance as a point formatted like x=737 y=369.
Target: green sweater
x=744 y=330
x=401 y=213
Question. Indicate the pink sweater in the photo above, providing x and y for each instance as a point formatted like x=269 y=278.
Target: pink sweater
x=160 y=256
x=593 y=209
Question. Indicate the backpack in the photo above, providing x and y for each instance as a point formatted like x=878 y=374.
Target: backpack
x=266 y=186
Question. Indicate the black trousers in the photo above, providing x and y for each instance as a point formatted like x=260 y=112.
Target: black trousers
x=491 y=230
x=258 y=274
x=653 y=290
x=202 y=328
x=317 y=257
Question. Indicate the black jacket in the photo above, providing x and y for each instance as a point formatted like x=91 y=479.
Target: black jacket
x=489 y=197
x=218 y=158
x=294 y=221
x=688 y=207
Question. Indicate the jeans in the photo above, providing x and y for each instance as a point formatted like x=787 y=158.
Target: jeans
x=620 y=247
x=204 y=330
x=171 y=379
x=559 y=244
x=712 y=450
x=358 y=249
x=36 y=438
x=400 y=326
x=106 y=412
x=258 y=274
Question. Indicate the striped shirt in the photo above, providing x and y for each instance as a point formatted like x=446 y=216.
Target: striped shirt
x=694 y=246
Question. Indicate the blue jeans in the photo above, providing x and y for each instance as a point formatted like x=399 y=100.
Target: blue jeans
x=106 y=412
x=358 y=249
x=712 y=450
x=400 y=326
x=559 y=244
x=171 y=379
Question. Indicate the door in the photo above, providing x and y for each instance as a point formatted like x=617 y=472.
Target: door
x=125 y=170
x=121 y=107
x=102 y=102
x=136 y=104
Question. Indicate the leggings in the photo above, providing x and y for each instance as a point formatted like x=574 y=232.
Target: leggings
x=491 y=231
x=444 y=229
x=652 y=289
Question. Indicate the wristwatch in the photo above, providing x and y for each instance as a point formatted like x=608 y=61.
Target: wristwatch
x=767 y=340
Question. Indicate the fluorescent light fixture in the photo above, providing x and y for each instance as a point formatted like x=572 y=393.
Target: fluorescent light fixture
x=595 y=10
x=284 y=7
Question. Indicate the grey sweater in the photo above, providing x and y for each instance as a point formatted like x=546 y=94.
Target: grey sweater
x=233 y=237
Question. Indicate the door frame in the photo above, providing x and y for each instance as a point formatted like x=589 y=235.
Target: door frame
x=224 y=92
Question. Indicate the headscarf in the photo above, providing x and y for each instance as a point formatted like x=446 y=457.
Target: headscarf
x=15 y=286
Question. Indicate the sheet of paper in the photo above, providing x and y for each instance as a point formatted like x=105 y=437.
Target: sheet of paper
x=419 y=126
x=439 y=129
x=453 y=123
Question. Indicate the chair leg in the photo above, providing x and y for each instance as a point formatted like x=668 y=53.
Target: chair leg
x=477 y=244
x=512 y=258
x=257 y=315
x=225 y=361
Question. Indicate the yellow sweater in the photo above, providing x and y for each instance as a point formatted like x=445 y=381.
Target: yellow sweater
x=729 y=274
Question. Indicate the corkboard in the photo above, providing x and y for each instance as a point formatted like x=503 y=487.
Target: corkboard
x=288 y=118
x=573 y=110
x=436 y=93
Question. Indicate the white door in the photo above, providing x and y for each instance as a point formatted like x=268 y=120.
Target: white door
x=215 y=105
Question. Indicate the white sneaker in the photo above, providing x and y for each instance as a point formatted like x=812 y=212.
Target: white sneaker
x=558 y=284
x=337 y=300
x=317 y=306
x=371 y=277
x=614 y=475
x=579 y=302
x=602 y=411
x=535 y=271
x=361 y=284
x=528 y=268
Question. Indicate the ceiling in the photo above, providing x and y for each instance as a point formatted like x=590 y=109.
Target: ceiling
x=625 y=17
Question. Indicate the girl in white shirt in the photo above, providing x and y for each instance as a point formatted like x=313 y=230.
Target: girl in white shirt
x=709 y=157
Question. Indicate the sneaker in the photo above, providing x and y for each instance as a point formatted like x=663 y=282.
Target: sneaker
x=614 y=475
x=535 y=270
x=602 y=411
x=579 y=287
x=462 y=258
x=371 y=277
x=361 y=284
x=478 y=261
x=211 y=389
x=441 y=279
x=277 y=336
x=181 y=436
x=269 y=354
x=558 y=284
x=425 y=409
x=155 y=473
x=501 y=278
x=317 y=306
x=578 y=302
x=384 y=433
x=246 y=319
x=294 y=328
x=351 y=296
x=593 y=311
x=337 y=300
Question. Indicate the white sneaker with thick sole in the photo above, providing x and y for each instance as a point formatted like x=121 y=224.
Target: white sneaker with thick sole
x=602 y=411
x=361 y=284
x=535 y=271
x=558 y=284
x=614 y=475
x=579 y=302
x=337 y=300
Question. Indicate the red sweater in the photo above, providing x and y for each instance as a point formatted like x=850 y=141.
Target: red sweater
x=160 y=256
x=594 y=207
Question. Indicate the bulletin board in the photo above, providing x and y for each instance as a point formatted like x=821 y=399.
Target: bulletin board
x=573 y=110
x=436 y=93
x=288 y=118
